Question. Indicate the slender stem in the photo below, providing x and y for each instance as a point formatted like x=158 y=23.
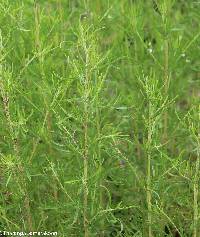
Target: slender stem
x=38 y=45
x=101 y=183
x=149 y=195
x=49 y=128
x=196 y=193
x=85 y=125
x=196 y=188
x=166 y=85
x=61 y=33
x=85 y=172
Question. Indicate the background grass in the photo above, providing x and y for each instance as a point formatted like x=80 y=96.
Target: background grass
x=99 y=114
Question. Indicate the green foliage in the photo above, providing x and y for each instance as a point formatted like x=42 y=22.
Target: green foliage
x=99 y=117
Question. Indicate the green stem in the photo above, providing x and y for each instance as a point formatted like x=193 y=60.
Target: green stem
x=149 y=195
x=166 y=85
x=196 y=188
x=85 y=157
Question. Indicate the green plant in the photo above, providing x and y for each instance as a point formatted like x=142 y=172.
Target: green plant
x=99 y=117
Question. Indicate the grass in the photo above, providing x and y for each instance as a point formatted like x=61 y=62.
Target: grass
x=99 y=117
